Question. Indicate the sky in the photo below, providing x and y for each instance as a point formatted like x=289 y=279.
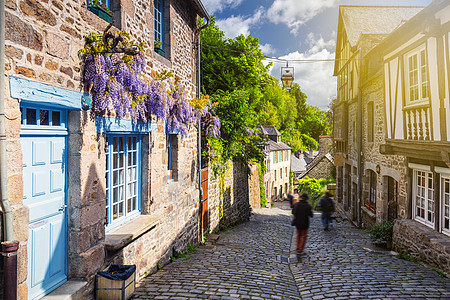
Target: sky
x=294 y=30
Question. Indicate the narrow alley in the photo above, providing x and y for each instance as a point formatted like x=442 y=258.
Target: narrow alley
x=256 y=260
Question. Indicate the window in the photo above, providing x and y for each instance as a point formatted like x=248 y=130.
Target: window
x=101 y=8
x=275 y=177
x=275 y=157
x=286 y=172
x=172 y=153
x=370 y=203
x=445 y=205
x=423 y=197
x=43 y=118
x=370 y=122
x=392 y=198
x=417 y=77
x=158 y=18
x=281 y=173
x=122 y=178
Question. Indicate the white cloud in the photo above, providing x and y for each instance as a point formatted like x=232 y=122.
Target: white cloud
x=237 y=25
x=267 y=49
x=315 y=78
x=213 y=6
x=295 y=13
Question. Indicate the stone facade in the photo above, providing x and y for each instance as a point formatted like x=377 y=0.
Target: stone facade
x=322 y=165
x=404 y=169
x=42 y=42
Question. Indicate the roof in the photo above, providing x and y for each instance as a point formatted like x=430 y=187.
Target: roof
x=297 y=164
x=269 y=130
x=374 y=19
x=278 y=146
x=201 y=9
x=314 y=163
x=413 y=26
x=358 y=21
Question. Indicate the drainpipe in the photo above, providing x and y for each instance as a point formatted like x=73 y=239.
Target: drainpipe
x=359 y=148
x=9 y=246
x=199 y=143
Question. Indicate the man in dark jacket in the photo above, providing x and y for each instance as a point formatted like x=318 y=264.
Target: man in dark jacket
x=302 y=211
x=327 y=206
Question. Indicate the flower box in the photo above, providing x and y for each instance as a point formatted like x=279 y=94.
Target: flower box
x=103 y=14
x=160 y=51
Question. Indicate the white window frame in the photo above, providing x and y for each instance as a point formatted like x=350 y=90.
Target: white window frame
x=428 y=205
x=420 y=80
x=445 y=177
x=128 y=179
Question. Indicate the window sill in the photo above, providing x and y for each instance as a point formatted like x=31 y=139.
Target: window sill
x=368 y=212
x=162 y=59
x=121 y=236
x=417 y=104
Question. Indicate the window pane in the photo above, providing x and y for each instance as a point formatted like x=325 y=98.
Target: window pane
x=31 y=116
x=43 y=116
x=56 y=118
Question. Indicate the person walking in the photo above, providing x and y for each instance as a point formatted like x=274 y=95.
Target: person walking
x=290 y=198
x=302 y=211
x=327 y=206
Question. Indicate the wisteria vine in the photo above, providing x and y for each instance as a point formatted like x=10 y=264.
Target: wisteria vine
x=118 y=82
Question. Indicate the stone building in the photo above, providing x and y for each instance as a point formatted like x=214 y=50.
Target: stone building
x=322 y=164
x=87 y=191
x=278 y=157
x=398 y=80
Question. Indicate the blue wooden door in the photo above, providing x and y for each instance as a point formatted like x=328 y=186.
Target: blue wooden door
x=44 y=179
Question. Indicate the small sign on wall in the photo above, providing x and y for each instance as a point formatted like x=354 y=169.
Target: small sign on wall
x=338 y=160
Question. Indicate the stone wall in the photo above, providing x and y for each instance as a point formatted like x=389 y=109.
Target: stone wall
x=229 y=196
x=254 y=187
x=42 y=42
x=422 y=243
x=322 y=169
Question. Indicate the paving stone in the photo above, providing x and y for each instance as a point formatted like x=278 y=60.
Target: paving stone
x=245 y=264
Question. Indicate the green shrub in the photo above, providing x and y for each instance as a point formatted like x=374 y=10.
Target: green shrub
x=315 y=188
x=405 y=256
x=381 y=232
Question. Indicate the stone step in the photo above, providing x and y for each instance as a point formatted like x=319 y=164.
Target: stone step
x=71 y=290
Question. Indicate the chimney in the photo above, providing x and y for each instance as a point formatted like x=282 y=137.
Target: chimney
x=325 y=144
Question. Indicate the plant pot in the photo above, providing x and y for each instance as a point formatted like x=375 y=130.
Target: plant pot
x=160 y=51
x=103 y=14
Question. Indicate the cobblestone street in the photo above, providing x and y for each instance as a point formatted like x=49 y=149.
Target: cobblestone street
x=256 y=260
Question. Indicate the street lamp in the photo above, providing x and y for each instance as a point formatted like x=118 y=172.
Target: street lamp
x=287 y=76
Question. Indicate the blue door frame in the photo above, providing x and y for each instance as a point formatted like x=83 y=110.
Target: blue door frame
x=44 y=143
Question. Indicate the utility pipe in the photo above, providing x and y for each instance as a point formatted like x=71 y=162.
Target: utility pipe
x=6 y=207
x=359 y=148
x=199 y=94
x=9 y=246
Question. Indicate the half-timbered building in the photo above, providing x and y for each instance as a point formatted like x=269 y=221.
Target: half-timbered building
x=392 y=125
